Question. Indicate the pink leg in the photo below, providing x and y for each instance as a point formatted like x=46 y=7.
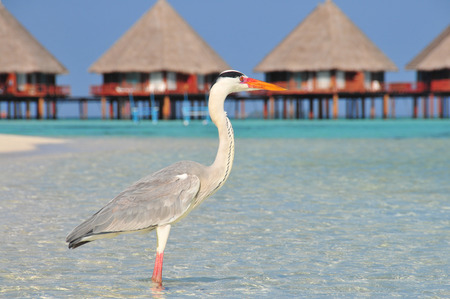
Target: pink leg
x=157 y=271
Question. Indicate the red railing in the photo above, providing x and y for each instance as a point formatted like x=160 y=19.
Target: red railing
x=440 y=85
x=397 y=87
x=143 y=89
x=35 y=90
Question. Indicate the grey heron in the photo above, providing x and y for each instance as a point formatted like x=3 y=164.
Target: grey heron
x=159 y=200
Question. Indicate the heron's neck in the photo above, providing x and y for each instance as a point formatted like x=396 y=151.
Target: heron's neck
x=221 y=167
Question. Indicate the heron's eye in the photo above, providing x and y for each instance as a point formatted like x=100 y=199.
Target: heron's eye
x=241 y=78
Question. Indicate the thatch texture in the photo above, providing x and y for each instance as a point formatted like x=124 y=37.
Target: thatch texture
x=326 y=40
x=161 y=40
x=435 y=56
x=20 y=52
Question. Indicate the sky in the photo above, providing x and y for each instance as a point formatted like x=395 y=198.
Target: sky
x=78 y=32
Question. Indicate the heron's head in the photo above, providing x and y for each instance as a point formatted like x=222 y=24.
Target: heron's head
x=235 y=81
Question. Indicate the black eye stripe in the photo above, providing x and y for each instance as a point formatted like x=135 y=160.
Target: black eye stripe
x=228 y=74
x=231 y=74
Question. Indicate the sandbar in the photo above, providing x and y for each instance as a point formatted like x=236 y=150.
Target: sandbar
x=19 y=143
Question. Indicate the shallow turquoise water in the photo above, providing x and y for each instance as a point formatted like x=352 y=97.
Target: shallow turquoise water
x=243 y=128
x=318 y=216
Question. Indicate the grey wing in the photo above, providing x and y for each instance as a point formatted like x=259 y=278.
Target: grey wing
x=157 y=199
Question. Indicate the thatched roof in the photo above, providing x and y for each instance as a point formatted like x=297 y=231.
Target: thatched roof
x=21 y=52
x=326 y=39
x=435 y=56
x=161 y=40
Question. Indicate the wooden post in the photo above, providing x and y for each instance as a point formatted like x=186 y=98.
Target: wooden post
x=425 y=108
x=320 y=108
x=49 y=110
x=111 y=109
x=415 y=108
x=363 y=108
x=372 y=108
x=284 y=103
x=166 y=107
x=242 y=109
x=431 y=111
x=291 y=109
x=103 y=104
x=299 y=110
x=83 y=109
x=327 y=108
x=271 y=107
x=385 y=106
x=311 y=108
x=28 y=112
x=335 y=105
x=265 y=115
x=40 y=108
x=440 y=106
x=393 y=108
x=15 y=109
x=8 y=110
x=54 y=109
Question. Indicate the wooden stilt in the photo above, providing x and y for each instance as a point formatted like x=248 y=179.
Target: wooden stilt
x=271 y=107
x=393 y=108
x=54 y=110
x=415 y=108
x=431 y=103
x=425 y=108
x=311 y=108
x=49 y=110
x=111 y=109
x=265 y=114
x=363 y=108
x=372 y=108
x=440 y=107
x=335 y=106
x=40 y=108
x=103 y=104
x=327 y=108
x=166 y=107
x=385 y=106
x=320 y=108
x=28 y=112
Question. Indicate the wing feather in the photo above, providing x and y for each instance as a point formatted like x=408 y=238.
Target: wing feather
x=157 y=199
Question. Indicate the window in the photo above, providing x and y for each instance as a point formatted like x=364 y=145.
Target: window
x=21 y=81
x=323 y=79
x=171 y=81
x=367 y=80
x=340 y=80
x=201 y=82
x=133 y=78
x=157 y=82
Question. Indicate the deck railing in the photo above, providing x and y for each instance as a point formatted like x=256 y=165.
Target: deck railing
x=142 y=89
x=35 y=90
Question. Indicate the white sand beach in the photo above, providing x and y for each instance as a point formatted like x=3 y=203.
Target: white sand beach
x=19 y=143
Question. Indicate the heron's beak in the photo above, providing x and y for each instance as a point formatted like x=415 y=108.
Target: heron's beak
x=253 y=83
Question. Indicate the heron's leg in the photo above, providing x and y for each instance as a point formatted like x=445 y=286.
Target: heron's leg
x=162 y=234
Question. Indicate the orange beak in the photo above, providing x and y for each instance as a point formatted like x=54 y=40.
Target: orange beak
x=253 y=83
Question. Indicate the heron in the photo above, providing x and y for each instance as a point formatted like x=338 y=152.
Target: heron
x=161 y=199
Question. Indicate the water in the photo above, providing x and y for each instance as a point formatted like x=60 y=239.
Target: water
x=354 y=209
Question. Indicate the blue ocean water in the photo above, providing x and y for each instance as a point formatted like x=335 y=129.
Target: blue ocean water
x=310 y=210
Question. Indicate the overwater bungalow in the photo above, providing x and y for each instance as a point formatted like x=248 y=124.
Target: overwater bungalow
x=326 y=54
x=27 y=72
x=433 y=74
x=160 y=56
